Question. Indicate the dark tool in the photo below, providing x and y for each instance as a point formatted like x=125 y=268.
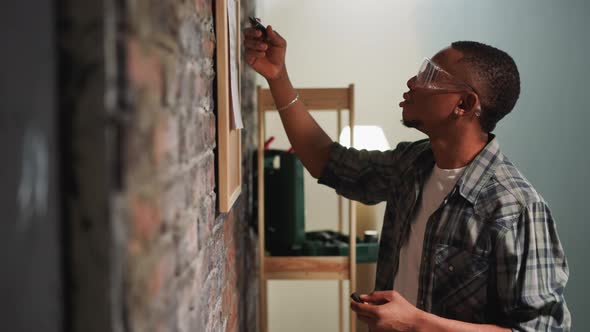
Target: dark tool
x=258 y=26
x=356 y=297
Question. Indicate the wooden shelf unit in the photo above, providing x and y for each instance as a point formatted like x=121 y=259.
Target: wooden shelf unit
x=340 y=268
x=306 y=268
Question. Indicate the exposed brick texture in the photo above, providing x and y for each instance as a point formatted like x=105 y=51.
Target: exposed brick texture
x=188 y=269
x=149 y=250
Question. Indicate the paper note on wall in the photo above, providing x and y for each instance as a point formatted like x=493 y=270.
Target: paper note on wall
x=233 y=64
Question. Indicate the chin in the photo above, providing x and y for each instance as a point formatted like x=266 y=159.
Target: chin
x=411 y=123
x=404 y=115
x=407 y=122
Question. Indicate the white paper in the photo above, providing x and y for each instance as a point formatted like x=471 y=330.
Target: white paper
x=233 y=66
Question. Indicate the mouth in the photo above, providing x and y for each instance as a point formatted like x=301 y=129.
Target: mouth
x=407 y=99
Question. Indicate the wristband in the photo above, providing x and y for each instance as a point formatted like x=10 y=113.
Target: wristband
x=280 y=109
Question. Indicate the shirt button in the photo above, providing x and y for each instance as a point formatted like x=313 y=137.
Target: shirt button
x=451 y=268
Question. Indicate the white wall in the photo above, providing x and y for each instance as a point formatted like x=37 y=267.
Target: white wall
x=379 y=44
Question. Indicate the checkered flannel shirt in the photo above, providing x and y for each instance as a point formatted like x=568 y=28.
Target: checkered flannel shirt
x=491 y=251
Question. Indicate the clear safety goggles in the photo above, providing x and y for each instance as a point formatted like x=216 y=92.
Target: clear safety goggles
x=431 y=76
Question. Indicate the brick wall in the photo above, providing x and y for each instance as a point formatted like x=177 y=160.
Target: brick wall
x=148 y=250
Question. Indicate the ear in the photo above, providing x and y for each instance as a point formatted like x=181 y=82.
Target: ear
x=469 y=103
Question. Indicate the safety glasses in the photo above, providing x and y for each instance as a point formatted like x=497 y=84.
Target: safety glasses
x=431 y=76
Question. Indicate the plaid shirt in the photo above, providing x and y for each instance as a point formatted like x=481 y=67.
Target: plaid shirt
x=491 y=250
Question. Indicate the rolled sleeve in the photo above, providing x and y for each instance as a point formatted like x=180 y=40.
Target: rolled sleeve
x=532 y=272
x=361 y=175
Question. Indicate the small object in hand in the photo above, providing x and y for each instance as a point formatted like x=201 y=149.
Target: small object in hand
x=356 y=297
x=258 y=26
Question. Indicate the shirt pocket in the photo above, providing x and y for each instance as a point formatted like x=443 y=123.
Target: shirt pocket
x=460 y=284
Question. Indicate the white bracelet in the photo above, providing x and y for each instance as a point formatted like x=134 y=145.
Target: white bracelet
x=289 y=104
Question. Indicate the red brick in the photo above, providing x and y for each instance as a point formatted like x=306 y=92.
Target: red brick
x=203 y=177
x=187 y=242
x=161 y=275
x=208 y=46
x=160 y=140
x=144 y=67
x=145 y=217
x=174 y=199
x=170 y=81
x=201 y=6
x=197 y=132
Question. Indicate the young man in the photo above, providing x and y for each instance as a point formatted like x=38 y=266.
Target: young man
x=467 y=243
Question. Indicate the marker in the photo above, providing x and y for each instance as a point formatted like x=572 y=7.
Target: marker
x=258 y=26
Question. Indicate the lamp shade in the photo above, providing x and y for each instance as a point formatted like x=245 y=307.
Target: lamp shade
x=365 y=137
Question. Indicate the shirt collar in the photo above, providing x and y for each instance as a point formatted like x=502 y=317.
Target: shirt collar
x=476 y=174
x=480 y=170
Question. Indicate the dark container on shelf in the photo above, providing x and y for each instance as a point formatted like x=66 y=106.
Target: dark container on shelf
x=284 y=208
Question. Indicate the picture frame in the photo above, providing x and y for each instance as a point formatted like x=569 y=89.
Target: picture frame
x=229 y=143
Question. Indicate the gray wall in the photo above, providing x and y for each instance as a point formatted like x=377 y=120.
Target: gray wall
x=544 y=136
x=31 y=274
x=379 y=44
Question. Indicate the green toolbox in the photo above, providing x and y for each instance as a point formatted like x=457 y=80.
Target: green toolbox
x=284 y=213
x=284 y=210
x=331 y=243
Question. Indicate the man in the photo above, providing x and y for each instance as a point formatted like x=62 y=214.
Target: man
x=467 y=243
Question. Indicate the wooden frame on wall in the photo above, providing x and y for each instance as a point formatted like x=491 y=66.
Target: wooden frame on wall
x=229 y=143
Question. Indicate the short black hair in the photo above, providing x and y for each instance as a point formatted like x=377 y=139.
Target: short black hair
x=498 y=80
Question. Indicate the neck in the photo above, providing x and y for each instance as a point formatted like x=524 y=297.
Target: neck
x=457 y=151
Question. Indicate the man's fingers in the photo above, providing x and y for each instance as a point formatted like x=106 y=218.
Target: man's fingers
x=366 y=297
x=255 y=54
x=252 y=56
x=274 y=38
x=252 y=33
x=379 y=297
x=364 y=309
x=255 y=45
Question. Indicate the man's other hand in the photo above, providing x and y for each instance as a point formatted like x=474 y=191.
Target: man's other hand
x=387 y=311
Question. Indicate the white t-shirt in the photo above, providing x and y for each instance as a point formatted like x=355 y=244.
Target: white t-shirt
x=438 y=185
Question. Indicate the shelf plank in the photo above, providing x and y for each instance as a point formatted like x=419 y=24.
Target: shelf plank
x=325 y=99
x=306 y=268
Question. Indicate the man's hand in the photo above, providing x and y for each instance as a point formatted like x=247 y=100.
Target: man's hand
x=267 y=57
x=387 y=311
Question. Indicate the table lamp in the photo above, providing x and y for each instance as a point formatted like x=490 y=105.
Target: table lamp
x=366 y=138
x=367 y=218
